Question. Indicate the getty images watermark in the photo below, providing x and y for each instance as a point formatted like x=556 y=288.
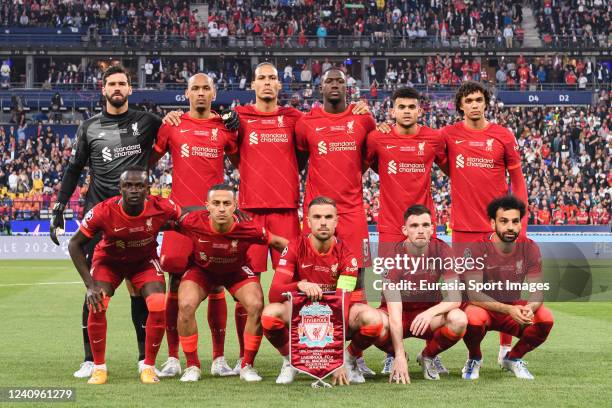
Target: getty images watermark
x=412 y=266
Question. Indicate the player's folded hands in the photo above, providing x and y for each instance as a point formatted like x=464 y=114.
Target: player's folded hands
x=516 y=312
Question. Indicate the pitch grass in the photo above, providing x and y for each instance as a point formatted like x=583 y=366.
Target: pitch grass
x=40 y=346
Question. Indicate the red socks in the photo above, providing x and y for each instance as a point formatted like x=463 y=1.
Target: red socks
x=505 y=339
x=190 y=348
x=171 y=319
x=532 y=337
x=251 y=347
x=443 y=339
x=96 y=326
x=364 y=338
x=155 y=327
x=277 y=333
x=240 y=316
x=217 y=321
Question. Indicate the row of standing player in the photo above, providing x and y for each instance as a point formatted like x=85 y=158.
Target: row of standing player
x=268 y=159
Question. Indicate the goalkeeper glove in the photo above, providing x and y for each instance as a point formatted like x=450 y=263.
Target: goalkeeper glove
x=57 y=224
x=230 y=119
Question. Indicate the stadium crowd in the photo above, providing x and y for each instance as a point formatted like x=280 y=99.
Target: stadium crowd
x=574 y=22
x=506 y=73
x=280 y=22
x=441 y=71
x=566 y=159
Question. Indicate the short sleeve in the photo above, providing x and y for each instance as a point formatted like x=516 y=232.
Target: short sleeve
x=511 y=151
x=348 y=263
x=93 y=221
x=163 y=138
x=231 y=142
x=172 y=211
x=368 y=122
x=440 y=152
x=372 y=148
x=534 y=260
x=252 y=232
x=186 y=222
x=287 y=264
x=301 y=135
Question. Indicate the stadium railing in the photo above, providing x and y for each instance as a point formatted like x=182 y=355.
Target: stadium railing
x=298 y=86
x=381 y=40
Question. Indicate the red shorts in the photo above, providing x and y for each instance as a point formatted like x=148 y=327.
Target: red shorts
x=137 y=273
x=175 y=252
x=463 y=241
x=478 y=316
x=231 y=280
x=352 y=229
x=281 y=222
x=407 y=318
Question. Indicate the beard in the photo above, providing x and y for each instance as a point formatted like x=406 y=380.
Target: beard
x=116 y=103
x=200 y=109
x=508 y=239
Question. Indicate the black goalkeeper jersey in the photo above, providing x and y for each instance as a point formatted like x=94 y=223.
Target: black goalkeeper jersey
x=109 y=144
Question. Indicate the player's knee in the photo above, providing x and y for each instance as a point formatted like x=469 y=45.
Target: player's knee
x=156 y=302
x=370 y=317
x=254 y=306
x=187 y=308
x=457 y=321
x=272 y=310
x=476 y=316
x=543 y=315
x=272 y=322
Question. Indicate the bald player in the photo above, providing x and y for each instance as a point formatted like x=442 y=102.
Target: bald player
x=197 y=149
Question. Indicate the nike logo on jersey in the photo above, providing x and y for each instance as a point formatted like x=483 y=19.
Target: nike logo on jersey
x=389 y=147
x=306 y=266
x=119 y=229
x=201 y=240
x=251 y=120
x=321 y=128
x=459 y=141
x=156 y=345
x=184 y=130
x=97 y=341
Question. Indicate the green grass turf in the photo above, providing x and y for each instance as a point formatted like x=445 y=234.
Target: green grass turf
x=40 y=346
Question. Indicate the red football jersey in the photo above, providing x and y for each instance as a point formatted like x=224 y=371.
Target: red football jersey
x=524 y=261
x=582 y=217
x=418 y=297
x=128 y=238
x=404 y=167
x=268 y=165
x=478 y=160
x=196 y=148
x=302 y=261
x=220 y=253
x=336 y=143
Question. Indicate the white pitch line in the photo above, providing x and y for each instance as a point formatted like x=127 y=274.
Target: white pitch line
x=39 y=283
